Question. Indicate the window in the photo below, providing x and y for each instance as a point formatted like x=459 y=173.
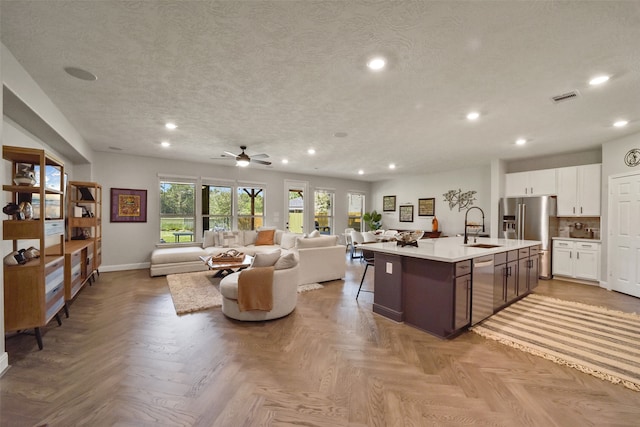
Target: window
x=217 y=207
x=323 y=211
x=250 y=208
x=356 y=210
x=177 y=210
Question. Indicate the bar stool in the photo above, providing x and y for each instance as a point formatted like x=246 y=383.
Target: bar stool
x=368 y=258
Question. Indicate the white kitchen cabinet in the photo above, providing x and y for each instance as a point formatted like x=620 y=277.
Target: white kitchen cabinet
x=531 y=183
x=576 y=259
x=579 y=190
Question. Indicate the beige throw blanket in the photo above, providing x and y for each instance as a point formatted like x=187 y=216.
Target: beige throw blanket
x=255 y=289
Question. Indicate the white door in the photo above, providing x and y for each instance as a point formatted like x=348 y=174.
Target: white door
x=624 y=234
x=296 y=206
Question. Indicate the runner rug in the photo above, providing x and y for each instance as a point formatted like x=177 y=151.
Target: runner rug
x=199 y=291
x=594 y=340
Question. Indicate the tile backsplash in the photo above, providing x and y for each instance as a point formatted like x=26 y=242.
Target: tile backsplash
x=590 y=227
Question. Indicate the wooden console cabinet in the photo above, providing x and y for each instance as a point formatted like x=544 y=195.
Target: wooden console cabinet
x=34 y=291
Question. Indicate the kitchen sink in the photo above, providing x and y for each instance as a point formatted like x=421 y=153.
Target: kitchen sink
x=483 y=245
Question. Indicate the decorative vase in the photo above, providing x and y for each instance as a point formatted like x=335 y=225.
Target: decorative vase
x=27 y=210
x=434 y=224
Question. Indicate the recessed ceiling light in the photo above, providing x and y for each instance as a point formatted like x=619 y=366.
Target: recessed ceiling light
x=376 y=64
x=165 y=143
x=521 y=141
x=598 y=80
x=285 y=161
x=473 y=115
x=171 y=126
x=81 y=74
x=392 y=166
x=311 y=151
x=621 y=123
x=360 y=172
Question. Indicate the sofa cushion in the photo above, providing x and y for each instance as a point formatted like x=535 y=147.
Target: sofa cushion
x=178 y=254
x=266 y=259
x=265 y=237
x=316 y=242
x=314 y=233
x=288 y=240
x=286 y=261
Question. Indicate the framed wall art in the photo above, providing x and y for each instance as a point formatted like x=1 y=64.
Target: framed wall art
x=388 y=203
x=406 y=213
x=427 y=207
x=128 y=205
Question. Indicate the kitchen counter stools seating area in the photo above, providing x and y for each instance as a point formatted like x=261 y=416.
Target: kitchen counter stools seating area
x=368 y=257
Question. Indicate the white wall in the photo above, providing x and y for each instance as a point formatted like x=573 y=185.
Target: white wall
x=408 y=189
x=613 y=153
x=129 y=245
x=4 y=359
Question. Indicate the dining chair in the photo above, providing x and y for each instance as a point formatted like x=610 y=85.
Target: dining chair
x=356 y=243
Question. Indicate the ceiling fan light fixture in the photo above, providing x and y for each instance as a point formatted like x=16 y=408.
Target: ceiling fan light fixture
x=243 y=163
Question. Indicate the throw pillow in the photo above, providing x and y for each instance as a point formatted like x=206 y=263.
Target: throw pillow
x=288 y=240
x=209 y=239
x=265 y=259
x=250 y=237
x=318 y=242
x=286 y=261
x=314 y=233
x=265 y=237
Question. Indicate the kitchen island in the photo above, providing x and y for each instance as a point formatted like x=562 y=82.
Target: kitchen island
x=431 y=286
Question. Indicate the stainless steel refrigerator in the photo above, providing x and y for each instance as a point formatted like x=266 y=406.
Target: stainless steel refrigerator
x=530 y=218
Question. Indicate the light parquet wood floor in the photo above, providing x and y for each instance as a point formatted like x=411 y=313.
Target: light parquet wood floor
x=124 y=358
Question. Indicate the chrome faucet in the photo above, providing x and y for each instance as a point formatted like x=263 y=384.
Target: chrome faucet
x=466 y=238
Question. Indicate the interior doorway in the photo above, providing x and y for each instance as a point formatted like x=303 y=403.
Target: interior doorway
x=624 y=234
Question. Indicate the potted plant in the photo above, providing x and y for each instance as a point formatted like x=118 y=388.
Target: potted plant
x=373 y=220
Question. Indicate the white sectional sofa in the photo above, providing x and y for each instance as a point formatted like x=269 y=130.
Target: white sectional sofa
x=320 y=258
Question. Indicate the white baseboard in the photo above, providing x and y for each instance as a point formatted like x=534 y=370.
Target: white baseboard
x=4 y=363
x=122 y=267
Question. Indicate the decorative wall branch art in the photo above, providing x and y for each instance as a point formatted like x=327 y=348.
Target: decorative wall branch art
x=457 y=197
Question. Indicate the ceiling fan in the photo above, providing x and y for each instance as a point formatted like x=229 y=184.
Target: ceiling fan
x=243 y=159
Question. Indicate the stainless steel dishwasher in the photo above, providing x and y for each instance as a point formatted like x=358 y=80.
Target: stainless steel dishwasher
x=482 y=288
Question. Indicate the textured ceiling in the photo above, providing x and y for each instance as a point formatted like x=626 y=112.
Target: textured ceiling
x=283 y=76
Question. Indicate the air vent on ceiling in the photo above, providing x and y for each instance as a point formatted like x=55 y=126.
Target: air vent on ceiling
x=566 y=96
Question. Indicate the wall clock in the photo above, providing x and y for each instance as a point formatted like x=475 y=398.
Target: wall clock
x=632 y=158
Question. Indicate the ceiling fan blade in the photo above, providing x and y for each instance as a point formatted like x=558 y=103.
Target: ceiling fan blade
x=230 y=154
x=262 y=162
x=259 y=156
x=223 y=157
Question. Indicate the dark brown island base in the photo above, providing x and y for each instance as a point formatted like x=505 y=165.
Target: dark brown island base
x=443 y=286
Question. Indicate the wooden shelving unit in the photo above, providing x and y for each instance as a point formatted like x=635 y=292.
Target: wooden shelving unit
x=83 y=253
x=33 y=292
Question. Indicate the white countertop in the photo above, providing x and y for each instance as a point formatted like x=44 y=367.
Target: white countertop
x=450 y=249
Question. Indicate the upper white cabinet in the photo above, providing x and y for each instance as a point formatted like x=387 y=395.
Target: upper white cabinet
x=579 y=190
x=532 y=183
